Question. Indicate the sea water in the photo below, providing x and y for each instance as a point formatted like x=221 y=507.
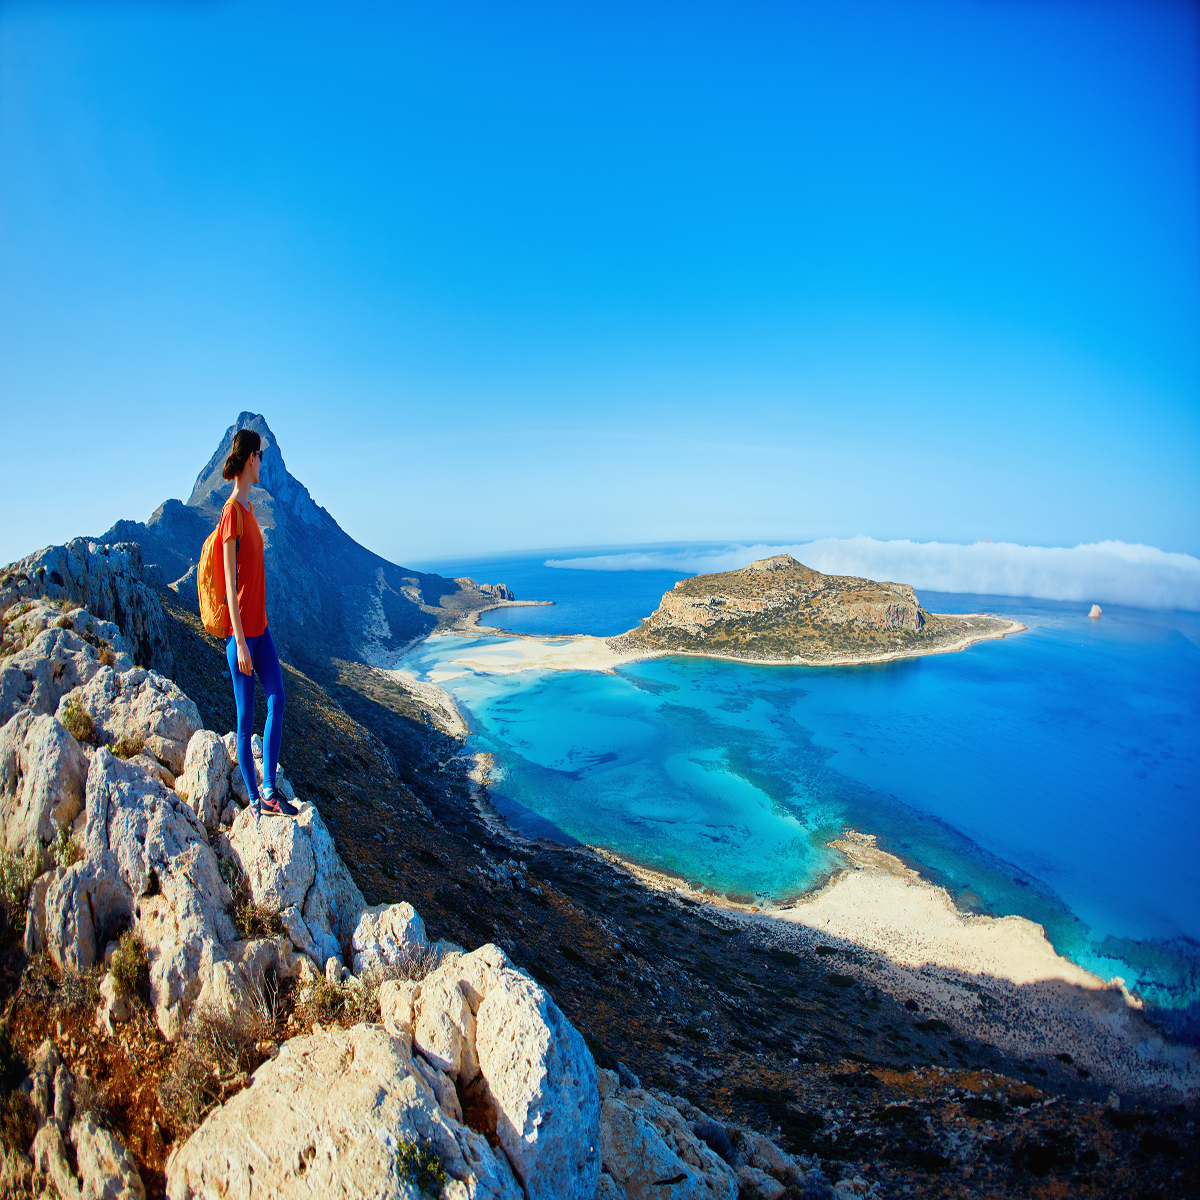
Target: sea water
x=1052 y=774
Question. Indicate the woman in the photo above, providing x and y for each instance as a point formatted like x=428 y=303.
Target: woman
x=249 y=647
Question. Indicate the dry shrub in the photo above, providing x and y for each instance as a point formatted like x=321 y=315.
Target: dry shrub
x=17 y=873
x=91 y=1098
x=64 y=623
x=250 y=919
x=65 y=850
x=18 y=1122
x=78 y=991
x=213 y=1059
x=79 y=723
x=129 y=747
x=359 y=999
x=106 y=657
x=130 y=967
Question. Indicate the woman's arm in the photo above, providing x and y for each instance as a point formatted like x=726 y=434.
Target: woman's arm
x=245 y=662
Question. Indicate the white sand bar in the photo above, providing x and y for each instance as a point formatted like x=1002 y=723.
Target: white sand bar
x=994 y=979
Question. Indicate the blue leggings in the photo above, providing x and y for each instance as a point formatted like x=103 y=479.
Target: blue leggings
x=266 y=665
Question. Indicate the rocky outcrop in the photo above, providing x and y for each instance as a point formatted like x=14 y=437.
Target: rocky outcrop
x=51 y=652
x=103 y=1168
x=649 y=1151
x=328 y=1117
x=499 y=1035
x=138 y=706
x=107 y=580
x=204 y=783
x=293 y=864
x=43 y=772
x=386 y=936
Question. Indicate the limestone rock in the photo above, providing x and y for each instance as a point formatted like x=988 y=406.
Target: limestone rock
x=293 y=861
x=113 y=1007
x=205 y=779
x=49 y=1155
x=325 y=1118
x=54 y=660
x=277 y=858
x=107 y=580
x=1096 y=612
x=297 y=931
x=646 y=1142
x=139 y=704
x=42 y=777
x=332 y=907
x=479 y=1019
x=106 y=1169
x=147 y=863
x=757 y=1182
x=385 y=936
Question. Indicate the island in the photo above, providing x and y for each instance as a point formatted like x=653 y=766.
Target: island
x=779 y=610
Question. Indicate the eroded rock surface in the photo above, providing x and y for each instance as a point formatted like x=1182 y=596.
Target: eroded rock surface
x=326 y=1118
x=499 y=1033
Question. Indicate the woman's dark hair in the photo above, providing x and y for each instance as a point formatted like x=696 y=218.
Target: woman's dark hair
x=245 y=443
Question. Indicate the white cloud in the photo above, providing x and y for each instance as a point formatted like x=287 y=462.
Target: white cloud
x=1116 y=572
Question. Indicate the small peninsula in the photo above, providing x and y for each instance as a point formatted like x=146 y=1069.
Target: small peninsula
x=779 y=610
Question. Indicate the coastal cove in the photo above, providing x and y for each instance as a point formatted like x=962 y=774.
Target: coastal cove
x=1032 y=776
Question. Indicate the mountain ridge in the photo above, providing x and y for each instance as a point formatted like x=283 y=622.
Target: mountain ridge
x=328 y=597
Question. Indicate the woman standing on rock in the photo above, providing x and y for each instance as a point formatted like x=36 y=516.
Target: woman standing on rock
x=249 y=647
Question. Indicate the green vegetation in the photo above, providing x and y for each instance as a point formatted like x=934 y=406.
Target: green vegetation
x=65 y=850
x=129 y=747
x=17 y=873
x=130 y=966
x=422 y=1167
x=79 y=722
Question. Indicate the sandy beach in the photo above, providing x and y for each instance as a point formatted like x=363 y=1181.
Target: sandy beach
x=585 y=652
x=998 y=979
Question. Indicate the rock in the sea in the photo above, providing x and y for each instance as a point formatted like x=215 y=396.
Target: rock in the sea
x=651 y=1153
x=1096 y=612
x=42 y=777
x=327 y=1118
x=204 y=783
x=494 y=1029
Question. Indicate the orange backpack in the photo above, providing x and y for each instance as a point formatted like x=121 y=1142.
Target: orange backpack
x=210 y=578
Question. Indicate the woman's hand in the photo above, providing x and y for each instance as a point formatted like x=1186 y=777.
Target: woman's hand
x=245 y=662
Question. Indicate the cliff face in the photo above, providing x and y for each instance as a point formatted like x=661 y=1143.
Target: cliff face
x=777 y=608
x=327 y=597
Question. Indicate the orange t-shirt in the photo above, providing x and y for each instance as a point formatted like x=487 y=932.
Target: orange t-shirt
x=251 y=570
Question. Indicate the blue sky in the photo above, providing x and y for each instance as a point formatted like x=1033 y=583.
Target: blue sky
x=564 y=275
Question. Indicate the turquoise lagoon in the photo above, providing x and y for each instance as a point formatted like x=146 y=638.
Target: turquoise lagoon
x=1053 y=774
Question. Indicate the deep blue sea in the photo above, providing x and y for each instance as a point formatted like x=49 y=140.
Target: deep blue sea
x=1053 y=774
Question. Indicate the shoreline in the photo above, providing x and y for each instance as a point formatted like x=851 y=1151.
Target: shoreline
x=997 y=978
x=471 y=619
x=587 y=652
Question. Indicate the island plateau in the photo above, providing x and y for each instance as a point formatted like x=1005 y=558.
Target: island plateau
x=779 y=610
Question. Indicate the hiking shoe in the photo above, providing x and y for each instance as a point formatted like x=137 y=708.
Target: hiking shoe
x=279 y=806
x=256 y=813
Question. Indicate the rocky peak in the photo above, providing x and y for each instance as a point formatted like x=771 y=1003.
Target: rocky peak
x=777 y=562
x=211 y=490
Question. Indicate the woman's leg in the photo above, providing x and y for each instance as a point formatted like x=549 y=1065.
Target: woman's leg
x=266 y=663
x=243 y=697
